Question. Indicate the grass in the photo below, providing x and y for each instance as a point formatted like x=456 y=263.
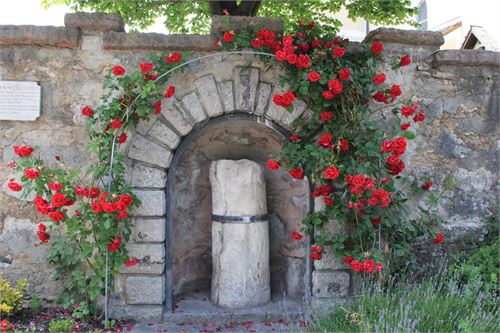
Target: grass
x=438 y=303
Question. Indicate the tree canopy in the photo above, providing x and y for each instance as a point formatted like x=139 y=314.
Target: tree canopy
x=194 y=16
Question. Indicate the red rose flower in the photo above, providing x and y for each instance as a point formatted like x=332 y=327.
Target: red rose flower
x=325 y=140
x=280 y=55
x=322 y=191
x=348 y=259
x=405 y=60
x=157 y=107
x=338 y=52
x=31 y=173
x=108 y=207
x=94 y=192
x=11 y=164
x=328 y=201
x=174 y=57
x=377 y=47
x=126 y=199
x=23 y=151
x=256 y=43
x=379 y=79
x=146 y=67
x=122 y=216
x=335 y=86
x=115 y=245
x=131 y=262
x=122 y=138
x=378 y=267
x=368 y=266
x=273 y=165
x=87 y=111
x=331 y=173
x=317 y=249
x=379 y=197
x=56 y=216
x=169 y=92
x=327 y=94
x=119 y=206
x=408 y=111
x=439 y=238
x=376 y=221
x=399 y=145
x=14 y=187
x=228 y=37
x=380 y=97
x=315 y=256
x=427 y=186
x=59 y=200
x=297 y=173
x=216 y=43
x=115 y=123
x=310 y=25
x=325 y=116
x=96 y=207
x=42 y=234
x=291 y=58
x=357 y=266
x=344 y=74
x=420 y=116
x=287 y=40
x=395 y=91
x=294 y=138
x=344 y=145
x=54 y=186
x=313 y=76
x=303 y=61
x=118 y=71
x=296 y=235
x=405 y=126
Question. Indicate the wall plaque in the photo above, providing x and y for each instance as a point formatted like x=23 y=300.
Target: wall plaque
x=19 y=100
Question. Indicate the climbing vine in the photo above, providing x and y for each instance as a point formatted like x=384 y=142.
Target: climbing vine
x=349 y=144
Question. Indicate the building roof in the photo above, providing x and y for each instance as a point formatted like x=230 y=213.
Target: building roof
x=479 y=34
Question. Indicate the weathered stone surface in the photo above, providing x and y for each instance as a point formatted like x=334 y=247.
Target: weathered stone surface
x=408 y=37
x=263 y=93
x=91 y=43
x=137 y=312
x=152 y=203
x=144 y=176
x=173 y=113
x=240 y=251
x=227 y=96
x=151 y=259
x=147 y=151
x=330 y=283
x=32 y=35
x=94 y=21
x=193 y=106
x=209 y=96
x=149 y=230
x=467 y=58
x=145 y=289
x=164 y=134
x=298 y=108
x=246 y=80
x=220 y=24
x=155 y=41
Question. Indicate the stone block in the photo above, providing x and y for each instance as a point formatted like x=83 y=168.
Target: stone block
x=151 y=259
x=220 y=23
x=95 y=21
x=91 y=43
x=193 y=107
x=153 y=203
x=33 y=35
x=164 y=134
x=145 y=290
x=298 y=108
x=144 y=126
x=138 y=312
x=147 y=151
x=209 y=96
x=154 y=41
x=246 y=80
x=149 y=230
x=227 y=96
x=173 y=113
x=330 y=283
x=467 y=58
x=144 y=176
x=408 y=37
x=263 y=94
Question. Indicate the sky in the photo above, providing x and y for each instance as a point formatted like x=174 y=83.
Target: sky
x=478 y=12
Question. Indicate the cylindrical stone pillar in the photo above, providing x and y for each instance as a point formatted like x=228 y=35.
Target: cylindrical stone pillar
x=240 y=235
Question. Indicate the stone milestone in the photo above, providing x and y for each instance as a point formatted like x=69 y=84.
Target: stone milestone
x=19 y=100
x=240 y=250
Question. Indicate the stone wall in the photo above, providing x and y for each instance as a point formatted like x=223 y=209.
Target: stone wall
x=460 y=137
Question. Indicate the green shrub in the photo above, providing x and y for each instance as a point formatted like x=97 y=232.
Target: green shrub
x=11 y=298
x=62 y=326
x=437 y=304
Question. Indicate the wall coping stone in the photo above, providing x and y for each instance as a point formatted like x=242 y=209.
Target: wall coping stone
x=39 y=35
x=409 y=37
x=221 y=23
x=95 y=21
x=467 y=58
x=154 y=41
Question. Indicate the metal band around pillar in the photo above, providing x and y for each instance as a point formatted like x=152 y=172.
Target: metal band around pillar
x=239 y=219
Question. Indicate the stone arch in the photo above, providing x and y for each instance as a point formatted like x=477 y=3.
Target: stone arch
x=204 y=91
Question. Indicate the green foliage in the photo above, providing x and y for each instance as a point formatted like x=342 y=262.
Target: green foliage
x=194 y=16
x=11 y=297
x=436 y=304
x=35 y=303
x=62 y=325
